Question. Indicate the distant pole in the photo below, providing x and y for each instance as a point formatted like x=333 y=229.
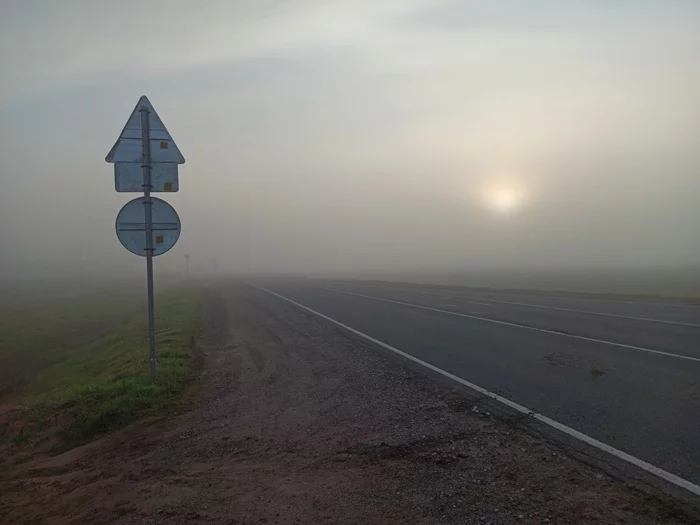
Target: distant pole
x=213 y=262
x=148 y=203
x=187 y=265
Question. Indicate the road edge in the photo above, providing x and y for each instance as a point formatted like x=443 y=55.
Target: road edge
x=664 y=475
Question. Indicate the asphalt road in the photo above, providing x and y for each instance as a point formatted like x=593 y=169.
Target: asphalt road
x=626 y=373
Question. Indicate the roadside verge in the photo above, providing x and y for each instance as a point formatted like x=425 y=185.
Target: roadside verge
x=86 y=369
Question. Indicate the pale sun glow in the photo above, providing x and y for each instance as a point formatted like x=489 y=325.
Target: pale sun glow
x=504 y=198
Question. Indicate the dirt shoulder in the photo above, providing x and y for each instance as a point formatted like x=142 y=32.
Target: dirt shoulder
x=295 y=422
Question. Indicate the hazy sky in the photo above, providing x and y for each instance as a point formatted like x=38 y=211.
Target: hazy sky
x=358 y=134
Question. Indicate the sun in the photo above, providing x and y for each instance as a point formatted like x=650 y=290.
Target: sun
x=504 y=198
x=503 y=193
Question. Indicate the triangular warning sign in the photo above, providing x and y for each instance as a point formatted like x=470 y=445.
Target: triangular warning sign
x=128 y=147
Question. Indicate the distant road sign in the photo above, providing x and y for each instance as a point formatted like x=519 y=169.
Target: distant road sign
x=131 y=226
x=127 y=154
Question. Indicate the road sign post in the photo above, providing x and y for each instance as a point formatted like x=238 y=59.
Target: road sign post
x=148 y=203
x=145 y=141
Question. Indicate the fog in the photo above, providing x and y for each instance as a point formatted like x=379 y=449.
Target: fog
x=332 y=137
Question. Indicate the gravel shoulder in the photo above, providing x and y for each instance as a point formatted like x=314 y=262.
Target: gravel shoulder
x=294 y=421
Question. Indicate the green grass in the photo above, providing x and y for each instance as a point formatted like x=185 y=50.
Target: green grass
x=32 y=338
x=96 y=376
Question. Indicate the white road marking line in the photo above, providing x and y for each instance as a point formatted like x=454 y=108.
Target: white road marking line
x=658 y=302
x=589 y=312
x=648 y=467
x=531 y=305
x=516 y=325
x=577 y=295
x=464 y=299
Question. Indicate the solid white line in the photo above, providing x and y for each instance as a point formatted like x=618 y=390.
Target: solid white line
x=575 y=310
x=516 y=325
x=553 y=294
x=658 y=302
x=589 y=312
x=648 y=467
x=464 y=299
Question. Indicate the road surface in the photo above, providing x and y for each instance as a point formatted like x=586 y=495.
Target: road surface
x=624 y=372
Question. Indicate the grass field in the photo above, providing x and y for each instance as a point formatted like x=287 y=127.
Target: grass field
x=71 y=370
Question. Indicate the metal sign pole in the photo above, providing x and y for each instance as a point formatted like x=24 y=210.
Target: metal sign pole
x=148 y=203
